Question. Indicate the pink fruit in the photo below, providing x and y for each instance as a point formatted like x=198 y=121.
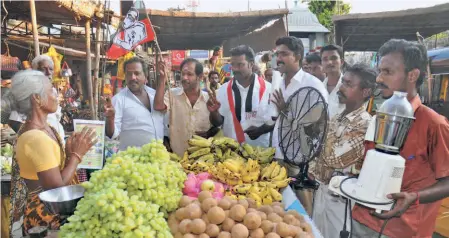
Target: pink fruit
x=219 y=187
x=203 y=176
x=190 y=185
x=217 y=195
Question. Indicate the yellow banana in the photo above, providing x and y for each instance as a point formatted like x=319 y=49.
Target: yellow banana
x=231 y=166
x=247 y=167
x=275 y=194
x=228 y=173
x=200 y=143
x=282 y=174
x=281 y=183
x=206 y=157
x=248 y=148
x=185 y=158
x=219 y=141
x=199 y=153
x=250 y=178
x=237 y=161
x=267 y=152
x=268 y=170
x=267 y=200
x=265 y=159
x=245 y=154
x=236 y=156
x=232 y=143
x=262 y=184
x=276 y=171
x=242 y=189
x=240 y=197
x=255 y=166
x=233 y=197
x=219 y=153
x=255 y=196
x=193 y=149
x=254 y=189
x=232 y=182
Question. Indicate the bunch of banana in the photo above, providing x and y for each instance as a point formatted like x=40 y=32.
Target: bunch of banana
x=264 y=155
x=274 y=172
x=262 y=193
x=225 y=142
x=224 y=175
x=247 y=150
x=200 y=141
x=251 y=171
x=235 y=165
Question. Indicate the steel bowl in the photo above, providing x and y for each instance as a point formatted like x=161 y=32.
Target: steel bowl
x=62 y=200
x=391 y=131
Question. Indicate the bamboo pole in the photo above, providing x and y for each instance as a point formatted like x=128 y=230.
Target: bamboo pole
x=98 y=39
x=89 y=71
x=34 y=25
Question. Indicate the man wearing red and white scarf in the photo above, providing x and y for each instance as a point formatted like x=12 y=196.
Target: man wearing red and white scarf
x=242 y=104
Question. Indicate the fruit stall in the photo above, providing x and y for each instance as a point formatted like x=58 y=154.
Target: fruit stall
x=218 y=189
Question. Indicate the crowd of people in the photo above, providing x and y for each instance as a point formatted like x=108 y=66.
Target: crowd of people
x=241 y=108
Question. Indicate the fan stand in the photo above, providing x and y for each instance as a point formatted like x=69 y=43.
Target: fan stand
x=311 y=118
x=302 y=180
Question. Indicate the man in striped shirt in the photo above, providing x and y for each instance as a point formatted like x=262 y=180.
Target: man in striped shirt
x=344 y=147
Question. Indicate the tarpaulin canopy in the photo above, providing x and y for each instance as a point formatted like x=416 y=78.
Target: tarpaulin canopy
x=368 y=31
x=439 y=60
x=199 y=30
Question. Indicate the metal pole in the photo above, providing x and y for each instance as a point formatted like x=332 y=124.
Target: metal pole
x=34 y=24
x=89 y=71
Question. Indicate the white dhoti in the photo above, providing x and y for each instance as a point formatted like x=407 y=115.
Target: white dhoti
x=329 y=213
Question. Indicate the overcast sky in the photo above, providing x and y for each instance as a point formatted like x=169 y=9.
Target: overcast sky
x=357 y=6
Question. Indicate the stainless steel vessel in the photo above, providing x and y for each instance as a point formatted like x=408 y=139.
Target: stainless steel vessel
x=393 y=121
x=62 y=200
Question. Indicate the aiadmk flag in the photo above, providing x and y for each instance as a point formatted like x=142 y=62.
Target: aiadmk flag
x=135 y=30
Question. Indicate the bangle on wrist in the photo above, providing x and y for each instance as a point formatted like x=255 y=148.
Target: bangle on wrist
x=78 y=157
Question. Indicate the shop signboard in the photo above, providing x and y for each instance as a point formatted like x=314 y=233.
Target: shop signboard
x=177 y=56
x=199 y=54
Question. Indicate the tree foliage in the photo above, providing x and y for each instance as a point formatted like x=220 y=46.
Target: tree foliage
x=324 y=10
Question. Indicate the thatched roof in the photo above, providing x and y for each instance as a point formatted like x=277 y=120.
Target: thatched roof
x=71 y=12
x=368 y=31
x=199 y=30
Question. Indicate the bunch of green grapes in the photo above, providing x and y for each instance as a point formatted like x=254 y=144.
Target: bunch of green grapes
x=130 y=196
x=114 y=213
x=147 y=173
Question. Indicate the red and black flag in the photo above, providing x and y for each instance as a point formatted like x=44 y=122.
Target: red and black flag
x=135 y=30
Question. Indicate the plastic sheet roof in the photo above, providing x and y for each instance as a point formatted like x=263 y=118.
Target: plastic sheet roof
x=367 y=32
x=195 y=30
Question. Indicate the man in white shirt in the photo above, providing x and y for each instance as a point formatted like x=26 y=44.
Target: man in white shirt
x=131 y=115
x=44 y=64
x=289 y=54
x=241 y=105
x=332 y=60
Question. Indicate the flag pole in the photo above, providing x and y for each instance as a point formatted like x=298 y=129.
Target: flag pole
x=159 y=54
